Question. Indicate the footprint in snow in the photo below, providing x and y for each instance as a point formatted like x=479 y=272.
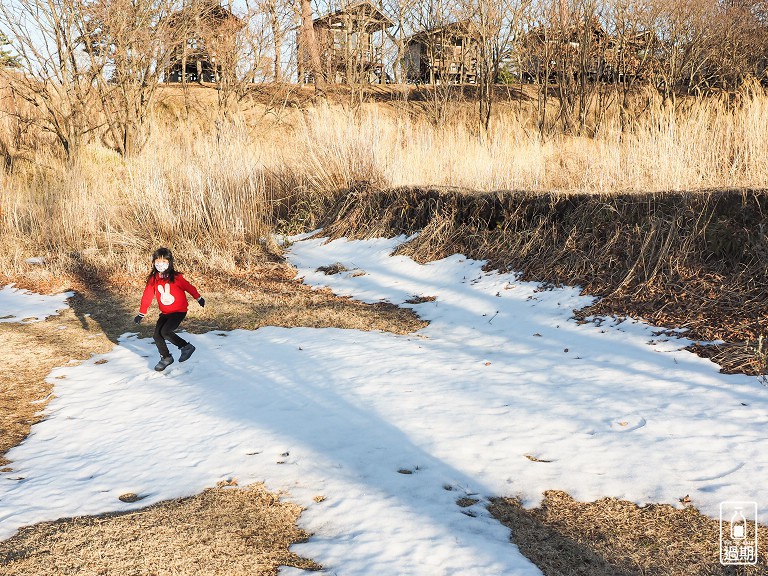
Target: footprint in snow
x=627 y=423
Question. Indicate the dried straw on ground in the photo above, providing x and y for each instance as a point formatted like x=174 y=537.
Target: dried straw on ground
x=230 y=531
x=611 y=537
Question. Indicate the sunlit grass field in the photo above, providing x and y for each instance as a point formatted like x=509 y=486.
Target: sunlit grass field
x=217 y=189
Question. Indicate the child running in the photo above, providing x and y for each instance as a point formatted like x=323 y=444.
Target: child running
x=170 y=288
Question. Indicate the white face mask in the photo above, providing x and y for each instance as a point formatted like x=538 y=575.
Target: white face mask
x=161 y=266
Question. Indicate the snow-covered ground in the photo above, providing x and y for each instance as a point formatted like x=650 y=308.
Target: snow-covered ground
x=501 y=395
x=18 y=305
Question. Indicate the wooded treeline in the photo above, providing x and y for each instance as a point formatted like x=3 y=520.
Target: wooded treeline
x=85 y=66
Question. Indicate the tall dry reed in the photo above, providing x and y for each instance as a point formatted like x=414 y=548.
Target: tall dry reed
x=709 y=143
x=215 y=190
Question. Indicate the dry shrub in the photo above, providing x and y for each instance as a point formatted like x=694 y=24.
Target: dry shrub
x=114 y=212
x=215 y=189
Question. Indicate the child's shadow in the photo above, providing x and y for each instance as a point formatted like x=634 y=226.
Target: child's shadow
x=109 y=312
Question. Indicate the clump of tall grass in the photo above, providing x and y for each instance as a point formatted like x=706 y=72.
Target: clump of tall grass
x=708 y=143
x=216 y=190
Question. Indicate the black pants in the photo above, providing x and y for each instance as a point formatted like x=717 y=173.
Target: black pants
x=164 y=330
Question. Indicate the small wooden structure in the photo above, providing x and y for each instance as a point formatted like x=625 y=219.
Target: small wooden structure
x=204 y=36
x=552 y=52
x=585 y=49
x=631 y=57
x=350 y=43
x=445 y=55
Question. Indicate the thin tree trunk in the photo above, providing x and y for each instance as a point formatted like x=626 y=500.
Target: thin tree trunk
x=311 y=47
x=277 y=37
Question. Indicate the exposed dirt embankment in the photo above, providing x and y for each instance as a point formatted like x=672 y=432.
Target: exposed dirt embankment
x=697 y=260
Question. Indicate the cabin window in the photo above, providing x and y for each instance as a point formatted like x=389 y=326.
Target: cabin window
x=338 y=39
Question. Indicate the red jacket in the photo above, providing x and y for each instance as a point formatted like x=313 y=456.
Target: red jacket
x=171 y=296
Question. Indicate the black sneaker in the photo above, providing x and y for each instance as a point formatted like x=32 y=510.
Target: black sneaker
x=165 y=361
x=186 y=352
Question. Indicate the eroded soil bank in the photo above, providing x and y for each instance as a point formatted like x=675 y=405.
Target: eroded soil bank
x=694 y=260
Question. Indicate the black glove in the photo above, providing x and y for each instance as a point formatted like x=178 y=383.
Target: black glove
x=201 y=301
x=139 y=318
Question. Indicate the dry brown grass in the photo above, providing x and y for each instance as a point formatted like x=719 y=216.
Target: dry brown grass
x=29 y=352
x=611 y=537
x=229 y=531
x=215 y=190
x=695 y=261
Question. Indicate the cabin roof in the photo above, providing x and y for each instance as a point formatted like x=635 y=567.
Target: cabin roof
x=213 y=13
x=451 y=30
x=372 y=16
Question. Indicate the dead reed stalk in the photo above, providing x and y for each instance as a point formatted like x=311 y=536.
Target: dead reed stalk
x=217 y=190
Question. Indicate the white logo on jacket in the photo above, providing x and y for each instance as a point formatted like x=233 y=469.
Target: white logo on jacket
x=166 y=298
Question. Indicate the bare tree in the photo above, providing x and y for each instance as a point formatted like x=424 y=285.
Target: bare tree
x=54 y=77
x=739 y=39
x=582 y=45
x=437 y=24
x=436 y=27
x=128 y=42
x=89 y=66
x=535 y=53
x=562 y=45
x=235 y=47
x=683 y=27
x=403 y=13
x=309 y=50
x=14 y=121
x=281 y=16
x=631 y=56
x=497 y=26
